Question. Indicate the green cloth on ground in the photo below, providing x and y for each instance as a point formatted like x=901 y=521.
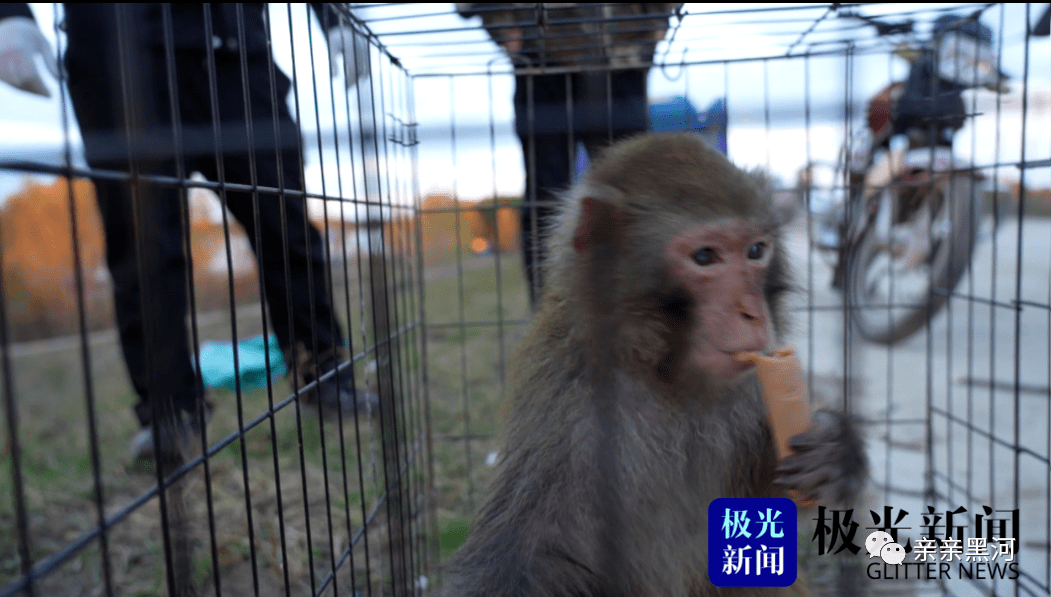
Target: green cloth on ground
x=217 y=363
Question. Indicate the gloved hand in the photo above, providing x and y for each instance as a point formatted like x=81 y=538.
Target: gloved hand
x=20 y=42
x=354 y=49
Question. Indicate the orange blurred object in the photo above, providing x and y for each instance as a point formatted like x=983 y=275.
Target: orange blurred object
x=479 y=245
x=787 y=402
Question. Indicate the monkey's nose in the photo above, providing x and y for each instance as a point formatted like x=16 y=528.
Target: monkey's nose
x=753 y=313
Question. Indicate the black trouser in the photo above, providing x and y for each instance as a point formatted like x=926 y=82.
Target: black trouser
x=603 y=107
x=144 y=219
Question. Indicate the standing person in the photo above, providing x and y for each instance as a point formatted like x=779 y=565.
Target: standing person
x=151 y=85
x=609 y=49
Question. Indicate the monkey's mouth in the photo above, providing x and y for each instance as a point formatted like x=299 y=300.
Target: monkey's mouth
x=741 y=364
x=726 y=364
x=748 y=359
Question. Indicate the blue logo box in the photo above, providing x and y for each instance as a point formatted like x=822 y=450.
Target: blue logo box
x=752 y=542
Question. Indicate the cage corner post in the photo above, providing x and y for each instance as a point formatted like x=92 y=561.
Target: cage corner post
x=384 y=338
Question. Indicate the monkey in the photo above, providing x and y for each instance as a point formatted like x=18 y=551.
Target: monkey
x=629 y=412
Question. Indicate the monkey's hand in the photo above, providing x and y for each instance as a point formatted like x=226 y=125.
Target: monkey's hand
x=829 y=464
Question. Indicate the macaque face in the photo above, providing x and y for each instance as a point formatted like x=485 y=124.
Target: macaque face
x=722 y=265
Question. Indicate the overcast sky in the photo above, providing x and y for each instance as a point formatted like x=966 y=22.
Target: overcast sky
x=432 y=41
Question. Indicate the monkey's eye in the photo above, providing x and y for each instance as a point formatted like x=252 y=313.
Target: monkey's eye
x=705 y=256
x=757 y=251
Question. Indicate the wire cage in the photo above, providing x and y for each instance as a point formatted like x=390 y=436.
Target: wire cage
x=396 y=137
x=263 y=216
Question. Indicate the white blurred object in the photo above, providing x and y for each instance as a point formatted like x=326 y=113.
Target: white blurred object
x=422 y=583
x=353 y=47
x=20 y=42
x=491 y=458
x=967 y=61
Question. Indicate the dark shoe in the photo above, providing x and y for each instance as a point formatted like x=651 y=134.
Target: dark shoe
x=334 y=391
x=178 y=443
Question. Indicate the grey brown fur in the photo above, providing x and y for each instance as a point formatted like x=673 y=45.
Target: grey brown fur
x=599 y=384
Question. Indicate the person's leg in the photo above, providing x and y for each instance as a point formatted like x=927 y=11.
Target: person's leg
x=142 y=224
x=611 y=105
x=291 y=255
x=542 y=125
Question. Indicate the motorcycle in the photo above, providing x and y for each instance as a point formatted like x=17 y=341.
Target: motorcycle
x=904 y=230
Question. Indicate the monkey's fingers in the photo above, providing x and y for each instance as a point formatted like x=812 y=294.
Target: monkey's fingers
x=826 y=472
x=809 y=441
x=829 y=429
x=802 y=468
x=807 y=483
x=819 y=483
x=836 y=493
x=834 y=440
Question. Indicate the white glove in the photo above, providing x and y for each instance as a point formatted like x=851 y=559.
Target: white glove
x=354 y=48
x=20 y=42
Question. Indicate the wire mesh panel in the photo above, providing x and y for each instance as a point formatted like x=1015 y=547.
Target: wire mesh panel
x=215 y=197
x=918 y=241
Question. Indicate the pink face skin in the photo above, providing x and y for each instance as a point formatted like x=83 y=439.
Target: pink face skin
x=722 y=265
x=513 y=42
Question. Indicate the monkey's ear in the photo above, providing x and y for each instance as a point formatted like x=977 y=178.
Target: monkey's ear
x=599 y=224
